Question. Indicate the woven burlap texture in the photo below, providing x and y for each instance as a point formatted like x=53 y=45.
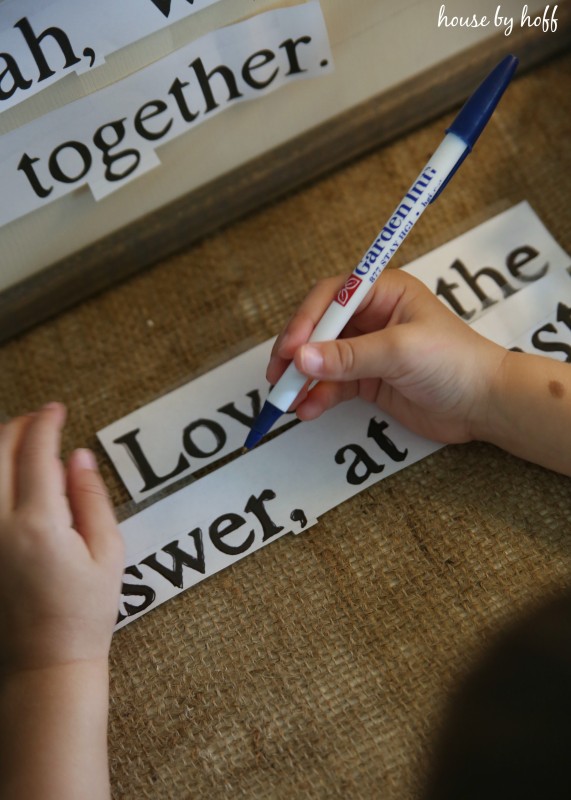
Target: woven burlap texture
x=319 y=666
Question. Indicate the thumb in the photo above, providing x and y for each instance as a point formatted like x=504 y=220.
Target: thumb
x=372 y=355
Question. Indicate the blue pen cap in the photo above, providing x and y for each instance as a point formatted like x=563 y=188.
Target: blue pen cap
x=477 y=110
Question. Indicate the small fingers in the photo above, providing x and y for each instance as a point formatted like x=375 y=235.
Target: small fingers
x=91 y=508
x=11 y=435
x=326 y=395
x=396 y=298
x=39 y=469
x=301 y=325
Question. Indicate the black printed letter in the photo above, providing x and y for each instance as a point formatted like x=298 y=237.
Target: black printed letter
x=18 y=80
x=180 y=559
x=257 y=507
x=145 y=470
x=246 y=419
x=204 y=81
x=361 y=457
x=33 y=43
x=519 y=258
x=375 y=432
x=136 y=590
x=214 y=428
x=218 y=530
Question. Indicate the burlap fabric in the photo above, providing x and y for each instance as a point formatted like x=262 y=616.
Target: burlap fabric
x=319 y=666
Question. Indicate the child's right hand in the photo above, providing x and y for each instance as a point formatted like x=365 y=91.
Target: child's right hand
x=403 y=350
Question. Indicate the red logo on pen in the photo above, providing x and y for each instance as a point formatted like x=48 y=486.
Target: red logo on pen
x=351 y=285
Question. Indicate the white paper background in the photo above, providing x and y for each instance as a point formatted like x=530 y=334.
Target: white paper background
x=78 y=121
x=103 y=26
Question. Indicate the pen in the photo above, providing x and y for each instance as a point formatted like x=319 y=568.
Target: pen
x=457 y=143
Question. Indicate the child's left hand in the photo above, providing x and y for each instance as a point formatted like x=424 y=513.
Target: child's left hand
x=61 y=553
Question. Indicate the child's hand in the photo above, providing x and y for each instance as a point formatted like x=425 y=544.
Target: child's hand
x=61 y=554
x=402 y=350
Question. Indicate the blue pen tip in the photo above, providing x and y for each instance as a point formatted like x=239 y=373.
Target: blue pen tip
x=264 y=421
x=477 y=110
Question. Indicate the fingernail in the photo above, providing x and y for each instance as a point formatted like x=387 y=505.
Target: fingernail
x=85 y=459
x=311 y=359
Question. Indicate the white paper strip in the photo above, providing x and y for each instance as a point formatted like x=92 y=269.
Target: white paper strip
x=40 y=43
x=208 y=418
x=478 y=271
x=279 y=487
x=109 y=138
x=536 y=322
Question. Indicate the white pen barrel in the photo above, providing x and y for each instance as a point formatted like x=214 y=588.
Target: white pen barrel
x=291 y=383
x=287 y=388
x=441 y=165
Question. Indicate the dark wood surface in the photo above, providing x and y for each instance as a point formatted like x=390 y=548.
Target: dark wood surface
x=266 y=178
